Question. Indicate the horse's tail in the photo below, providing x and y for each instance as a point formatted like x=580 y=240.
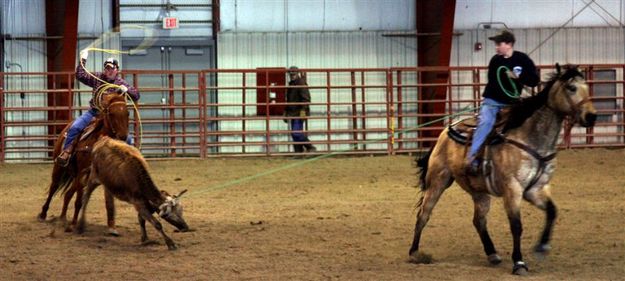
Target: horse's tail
x=422 y=163
x=61 y=179
x=65 y=181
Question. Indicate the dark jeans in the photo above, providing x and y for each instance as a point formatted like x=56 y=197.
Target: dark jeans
x=298 y=135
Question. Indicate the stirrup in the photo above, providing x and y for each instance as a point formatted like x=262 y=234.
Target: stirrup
x=473 y=167
x=63 y=161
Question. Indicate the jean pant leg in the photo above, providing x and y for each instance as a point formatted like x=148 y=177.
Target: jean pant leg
x=78 y=126
x=297 y=133
x=486 y=121
x=130 y=140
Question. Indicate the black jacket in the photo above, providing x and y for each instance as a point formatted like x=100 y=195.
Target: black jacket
x=520 y=61
x=299 y=95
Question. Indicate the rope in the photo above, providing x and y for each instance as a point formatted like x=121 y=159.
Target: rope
x=515 y=94
x=323 y=156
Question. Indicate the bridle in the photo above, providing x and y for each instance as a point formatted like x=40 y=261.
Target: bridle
x=106 y=111
x=576 y=108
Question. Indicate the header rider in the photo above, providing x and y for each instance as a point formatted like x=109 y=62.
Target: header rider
x=110 y=75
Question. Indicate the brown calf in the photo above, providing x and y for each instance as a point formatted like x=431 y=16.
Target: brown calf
x=123 y=172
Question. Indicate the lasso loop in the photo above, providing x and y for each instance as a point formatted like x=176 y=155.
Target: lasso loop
x=515 y=94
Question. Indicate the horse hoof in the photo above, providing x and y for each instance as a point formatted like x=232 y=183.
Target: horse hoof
x=112 y=232
x=541 y=251
x=494 y=259
x=69 y=228
x=172 y=247
x=80 y=229
x=420 y=258
x=520 y=268
x=41 y=217
x=149 y=242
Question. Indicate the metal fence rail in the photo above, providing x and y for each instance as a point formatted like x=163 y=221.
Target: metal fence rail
x=216 y=112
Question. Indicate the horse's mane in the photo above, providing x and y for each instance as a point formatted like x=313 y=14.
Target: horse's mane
x=527 y=107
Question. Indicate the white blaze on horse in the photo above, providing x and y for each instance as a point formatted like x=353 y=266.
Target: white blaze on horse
x=123 y=172
x=518 y=163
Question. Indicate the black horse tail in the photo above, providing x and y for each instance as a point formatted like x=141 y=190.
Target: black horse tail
x=65 y=181
x=422 y=163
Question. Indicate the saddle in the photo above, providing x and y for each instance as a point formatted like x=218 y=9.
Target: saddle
x=462 y=131
x=82 y=136
x=88 y=130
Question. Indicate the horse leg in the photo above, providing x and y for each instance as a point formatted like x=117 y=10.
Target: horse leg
x=109 y=201
x=542 y=199
x=481 y=203
x=54 y=186
x=77 y=204
x=92 y=183
x=147 y=215
x=437 y=180
x=512 y=204
x=66 y=199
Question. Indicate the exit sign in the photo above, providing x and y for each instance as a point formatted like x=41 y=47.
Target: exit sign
x=170 y=23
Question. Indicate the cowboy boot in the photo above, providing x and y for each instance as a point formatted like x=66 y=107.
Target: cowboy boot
x=63 y=158
x=298 y=148
x=310 y=148
x=472 y=166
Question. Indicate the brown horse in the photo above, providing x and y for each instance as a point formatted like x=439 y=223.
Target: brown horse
x=519 y=167
x=113 y=122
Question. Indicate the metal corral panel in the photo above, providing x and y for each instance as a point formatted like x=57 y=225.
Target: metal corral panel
x=22 y=60
x=312 y=50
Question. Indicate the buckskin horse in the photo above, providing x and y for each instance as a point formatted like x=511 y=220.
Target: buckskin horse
x=113 y=122
x=518 y=168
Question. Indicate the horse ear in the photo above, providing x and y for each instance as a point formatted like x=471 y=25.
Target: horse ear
x=558 y=68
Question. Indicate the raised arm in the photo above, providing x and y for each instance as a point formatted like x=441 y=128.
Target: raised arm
x=84 y=77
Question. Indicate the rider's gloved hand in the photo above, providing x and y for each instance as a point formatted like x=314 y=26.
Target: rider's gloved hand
x=122 y=89
x=84 y=54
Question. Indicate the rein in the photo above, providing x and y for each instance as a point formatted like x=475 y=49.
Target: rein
x=542 y=160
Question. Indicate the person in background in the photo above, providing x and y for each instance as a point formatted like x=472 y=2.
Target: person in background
x=521 y=71
x=109 y=75
x=298 y=111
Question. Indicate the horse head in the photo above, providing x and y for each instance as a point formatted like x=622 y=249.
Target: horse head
x=115 y=115
x=569 y=96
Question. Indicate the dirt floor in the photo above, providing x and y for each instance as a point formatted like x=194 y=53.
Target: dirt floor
x=331 y=219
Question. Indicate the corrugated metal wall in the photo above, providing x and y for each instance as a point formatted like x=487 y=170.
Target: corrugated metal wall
x=546 y=45
x=320 y=15
x=313 y=50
